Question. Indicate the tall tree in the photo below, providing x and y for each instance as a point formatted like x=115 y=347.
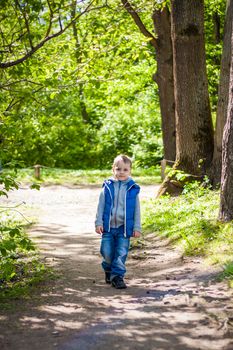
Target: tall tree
x=194 y=131
x=226 y=196
x=164 y=79
x=164 y=74
x=222 y=95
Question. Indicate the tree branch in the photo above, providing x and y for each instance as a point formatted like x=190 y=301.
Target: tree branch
x=4 y=65
x=11 y=105
x=26 y=24
x=5 y=86
x=50 y=19
x=139 y=23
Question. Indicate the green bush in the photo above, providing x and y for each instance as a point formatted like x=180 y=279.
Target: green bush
x=19 y=264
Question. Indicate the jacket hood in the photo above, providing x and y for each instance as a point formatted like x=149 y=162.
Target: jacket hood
x=112 y=179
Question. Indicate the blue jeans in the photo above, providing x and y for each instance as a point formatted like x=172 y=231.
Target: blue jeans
x=114 y=249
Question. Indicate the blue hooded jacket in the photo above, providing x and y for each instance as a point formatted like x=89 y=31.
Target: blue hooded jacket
x=130 y=201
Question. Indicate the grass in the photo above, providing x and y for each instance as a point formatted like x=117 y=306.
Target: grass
x=21 y=268
x=57 y=176
x=190 y=221
x=29 y=275
x=29 y=272
x=228 y=273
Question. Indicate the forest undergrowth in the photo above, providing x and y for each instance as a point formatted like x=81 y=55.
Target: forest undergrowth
x=21 y=267
x=190 y=222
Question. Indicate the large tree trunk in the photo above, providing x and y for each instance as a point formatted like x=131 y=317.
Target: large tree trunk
x=164 y=80
x=194 y=131
x=226 y=199
x=222 y=95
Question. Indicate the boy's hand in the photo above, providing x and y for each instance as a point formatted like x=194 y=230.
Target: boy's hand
x=99 y=229
x=136 y=234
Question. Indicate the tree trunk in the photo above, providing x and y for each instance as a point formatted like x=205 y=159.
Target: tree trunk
x=222 y=95
x=194 y=130
x=226 y=197
x=164 y=76
x=217 y=27
x=164 y=80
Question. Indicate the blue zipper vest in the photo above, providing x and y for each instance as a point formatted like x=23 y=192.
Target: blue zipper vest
x=130 y=201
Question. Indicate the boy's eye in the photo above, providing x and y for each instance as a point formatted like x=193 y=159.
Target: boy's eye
x=119 y=169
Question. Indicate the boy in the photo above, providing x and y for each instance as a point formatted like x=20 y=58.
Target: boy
x=118 y=219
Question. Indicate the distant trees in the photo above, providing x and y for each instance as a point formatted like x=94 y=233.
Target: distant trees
x=78 y=56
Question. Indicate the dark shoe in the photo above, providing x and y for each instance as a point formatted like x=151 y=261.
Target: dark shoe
x=107 y=277
x=118 y=283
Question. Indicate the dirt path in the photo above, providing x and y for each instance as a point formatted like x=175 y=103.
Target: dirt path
x=170 y=303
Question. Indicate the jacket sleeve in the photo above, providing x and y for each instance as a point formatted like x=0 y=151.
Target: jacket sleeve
x=137 y=216
x=100 y=209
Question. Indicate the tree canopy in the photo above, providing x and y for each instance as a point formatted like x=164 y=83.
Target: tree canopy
x=76 y=81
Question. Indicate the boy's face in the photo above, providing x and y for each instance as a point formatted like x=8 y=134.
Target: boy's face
x=122 y=171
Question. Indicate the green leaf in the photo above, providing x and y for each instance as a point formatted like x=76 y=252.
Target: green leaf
x=35 y=186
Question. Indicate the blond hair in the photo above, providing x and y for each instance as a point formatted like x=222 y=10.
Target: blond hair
x=124 y=158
